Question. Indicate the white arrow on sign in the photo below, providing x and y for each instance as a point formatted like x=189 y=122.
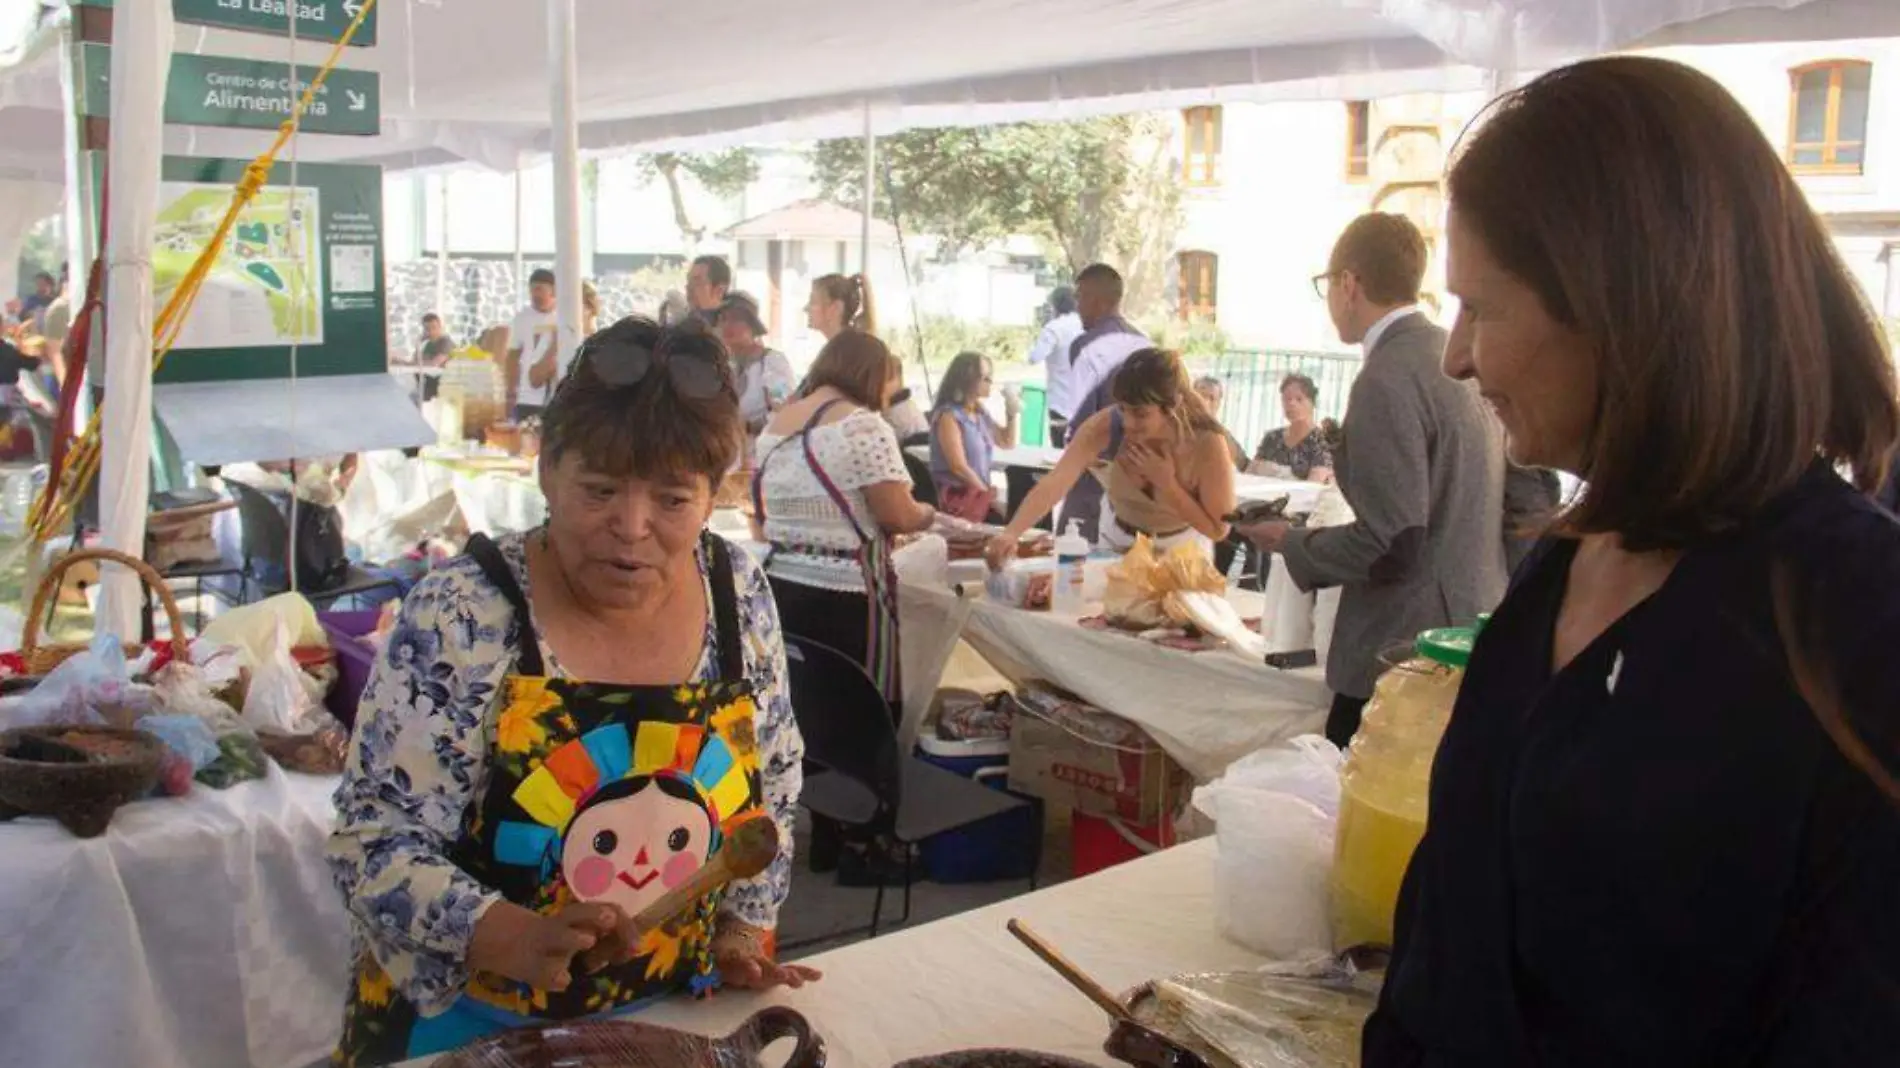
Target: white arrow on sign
x=358 y=101
x=352 y=8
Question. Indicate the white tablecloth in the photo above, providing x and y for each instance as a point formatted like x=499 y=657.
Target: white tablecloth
x=964 y=982
x=196 y=932
x=1206 y=709
x=1301 y=495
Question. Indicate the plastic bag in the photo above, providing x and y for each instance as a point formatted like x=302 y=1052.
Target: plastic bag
x=284 y=705
x=92 y=688
x=282 y=699
x=1305 y=1013
x=1274 y=813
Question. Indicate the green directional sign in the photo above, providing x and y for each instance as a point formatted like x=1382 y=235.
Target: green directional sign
x=301 y=273
x=318 y=20
x=248 y=94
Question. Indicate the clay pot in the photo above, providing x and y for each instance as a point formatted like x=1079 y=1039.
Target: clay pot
x=629 y=1044
x=77 y=775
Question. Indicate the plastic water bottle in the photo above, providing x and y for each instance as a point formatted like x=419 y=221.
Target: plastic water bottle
x=1072 y=555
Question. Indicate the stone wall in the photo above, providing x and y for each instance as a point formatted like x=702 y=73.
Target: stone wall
x=484 y=293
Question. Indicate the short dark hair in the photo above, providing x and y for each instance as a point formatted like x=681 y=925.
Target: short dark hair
x=855 y=364
x=1645 y=209
x=45 y=277
x=430 y=317
x=1104 y=277
x=718 y=271
x=648 y=429
x=1062 y=300
x=1387 y=253
x=1305 y=384
x=541 y=276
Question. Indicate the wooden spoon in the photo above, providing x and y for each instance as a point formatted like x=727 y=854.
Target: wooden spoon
x=1077 y=978
x=750 y=848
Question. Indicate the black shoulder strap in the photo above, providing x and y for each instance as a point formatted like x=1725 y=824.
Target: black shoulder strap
x=495 y=568
x=725 y=606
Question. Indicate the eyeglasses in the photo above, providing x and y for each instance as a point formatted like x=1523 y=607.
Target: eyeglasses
x=1324 y=281
x=619 y=363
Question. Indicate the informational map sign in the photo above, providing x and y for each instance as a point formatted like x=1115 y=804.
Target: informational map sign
x=248 y=93
x=318 y=20
x=267 y=287
x=302 y=269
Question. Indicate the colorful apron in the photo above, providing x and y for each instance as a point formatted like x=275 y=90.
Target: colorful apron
x=873 y=558
x=594 y=793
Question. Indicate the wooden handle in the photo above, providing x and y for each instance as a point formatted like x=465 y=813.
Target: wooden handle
x=49 y=585
x=1076 y=977
x=750 y=849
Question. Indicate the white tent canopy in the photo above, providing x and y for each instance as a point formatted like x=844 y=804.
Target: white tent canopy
x=466 y=81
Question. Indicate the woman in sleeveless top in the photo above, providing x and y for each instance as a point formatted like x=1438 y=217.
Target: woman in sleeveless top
x=1161 y=455
x=567 y=723
x=964 y=438
x=829 y=493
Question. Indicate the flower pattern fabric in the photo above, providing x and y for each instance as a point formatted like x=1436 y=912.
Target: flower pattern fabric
x=427 y=721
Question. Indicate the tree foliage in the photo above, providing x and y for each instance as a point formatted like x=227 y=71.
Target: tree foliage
x=1098 y=190
x=723 y=174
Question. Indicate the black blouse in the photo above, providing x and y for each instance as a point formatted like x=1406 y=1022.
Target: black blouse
x=1657 y=856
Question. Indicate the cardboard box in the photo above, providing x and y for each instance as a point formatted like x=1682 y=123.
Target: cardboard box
x=1074 y=755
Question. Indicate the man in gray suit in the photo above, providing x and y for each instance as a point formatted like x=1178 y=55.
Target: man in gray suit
x=1422 y=466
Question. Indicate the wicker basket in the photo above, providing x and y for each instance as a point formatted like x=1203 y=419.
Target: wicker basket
x=41 y=659
x=77 y=775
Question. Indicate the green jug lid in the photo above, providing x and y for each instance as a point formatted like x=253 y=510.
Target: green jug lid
x=1450 y=646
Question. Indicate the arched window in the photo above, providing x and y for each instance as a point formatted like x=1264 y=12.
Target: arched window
x=1827 y=116
x=1200 y=150
x=1358 y=138
x=1200 y=284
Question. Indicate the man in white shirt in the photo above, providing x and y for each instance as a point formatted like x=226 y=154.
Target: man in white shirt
x=763 y=375
x=533 y=362
x=1052 y=350
x=1106 y=342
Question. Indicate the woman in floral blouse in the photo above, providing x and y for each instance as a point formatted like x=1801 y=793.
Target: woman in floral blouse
x=566 y=724
x=1300 y=448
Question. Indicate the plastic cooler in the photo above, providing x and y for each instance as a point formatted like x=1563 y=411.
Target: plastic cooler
x=1006 y=846
x=354 y=657
x=1100 y=843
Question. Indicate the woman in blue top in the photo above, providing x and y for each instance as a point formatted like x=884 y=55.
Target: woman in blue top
x=964 y=437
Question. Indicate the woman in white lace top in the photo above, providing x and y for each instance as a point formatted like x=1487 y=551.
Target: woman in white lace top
x=830 y=491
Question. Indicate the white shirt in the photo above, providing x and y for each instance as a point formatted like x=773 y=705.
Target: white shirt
x=1052 y=348
x=534 y=333
x=813 y=541
x=1377 y=330
x=764 y=383
x=1099 y=362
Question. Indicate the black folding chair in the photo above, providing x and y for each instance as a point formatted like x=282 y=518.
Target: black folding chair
x=923 y=485
x=865 y=782
x=265 y=536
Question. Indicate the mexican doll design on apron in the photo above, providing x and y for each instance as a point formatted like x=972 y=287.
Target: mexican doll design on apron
x=594 y=793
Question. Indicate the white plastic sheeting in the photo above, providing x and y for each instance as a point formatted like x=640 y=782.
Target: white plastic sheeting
x=467 y=80
x=140 y=61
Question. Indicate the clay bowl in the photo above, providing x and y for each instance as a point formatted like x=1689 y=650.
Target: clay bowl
x=993 y=1058
x=627 y=1044
x=77 y=775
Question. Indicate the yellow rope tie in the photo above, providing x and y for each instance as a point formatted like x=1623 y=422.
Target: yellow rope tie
x=56 y=503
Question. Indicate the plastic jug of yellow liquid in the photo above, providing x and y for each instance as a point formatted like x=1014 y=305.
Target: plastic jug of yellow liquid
x=1385 y=780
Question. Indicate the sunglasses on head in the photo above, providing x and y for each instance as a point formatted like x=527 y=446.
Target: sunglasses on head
x=621 y=362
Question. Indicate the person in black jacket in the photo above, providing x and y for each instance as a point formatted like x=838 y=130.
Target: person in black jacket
x=1665 y=814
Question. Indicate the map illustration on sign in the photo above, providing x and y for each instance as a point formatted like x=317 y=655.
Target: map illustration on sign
x=267 y=286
